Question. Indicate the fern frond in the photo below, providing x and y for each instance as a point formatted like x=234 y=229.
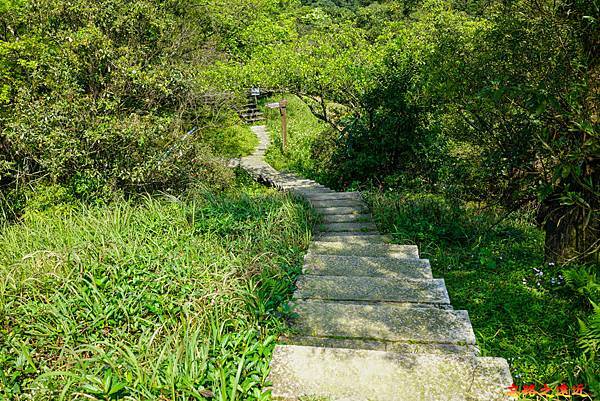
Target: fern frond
x=589 y=340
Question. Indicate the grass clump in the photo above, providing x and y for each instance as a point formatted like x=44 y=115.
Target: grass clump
x=164 y=299
x=234 y=140
x=303 y=129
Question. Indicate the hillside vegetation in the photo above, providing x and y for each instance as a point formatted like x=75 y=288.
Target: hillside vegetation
x=135 y=265
x=164 y=298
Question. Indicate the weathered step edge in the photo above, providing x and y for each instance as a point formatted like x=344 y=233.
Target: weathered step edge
x=405 y=348
x=366 y=375
x=372 y=289
x=382 y=322
x=366 y=266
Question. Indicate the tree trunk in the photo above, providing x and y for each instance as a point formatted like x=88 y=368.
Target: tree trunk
x=572 y=232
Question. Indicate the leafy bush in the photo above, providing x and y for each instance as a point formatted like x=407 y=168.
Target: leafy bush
x=230 y=141
x=590 y=333
x=303 y=128
x=584 y=281
x=97 y=97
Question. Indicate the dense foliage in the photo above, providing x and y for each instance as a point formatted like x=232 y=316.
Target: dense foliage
x=98 y=96
x=494 y=101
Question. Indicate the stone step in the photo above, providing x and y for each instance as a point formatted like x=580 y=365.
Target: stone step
x=346 y=218
x=408 y=348
x=365 y=266
x=300 y=183
x=307 y=190
x=341 y=210
x=346 y=234
x=352 y=249
x=354 y=239
x=364 y=375
x=295 y=178
x=347 y=227
x=371 y=289
x=301 y=189
x=337 y=203
x=338 y=196
x=383 y=322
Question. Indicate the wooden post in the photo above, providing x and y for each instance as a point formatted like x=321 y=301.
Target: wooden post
x=283 y=110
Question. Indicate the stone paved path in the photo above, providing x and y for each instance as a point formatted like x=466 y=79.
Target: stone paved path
x=372 y=322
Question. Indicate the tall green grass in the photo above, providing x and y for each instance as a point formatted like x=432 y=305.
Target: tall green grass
x=164 y=299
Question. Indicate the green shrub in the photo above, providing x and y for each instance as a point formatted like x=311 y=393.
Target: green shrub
x=231 y=140
x=584 y=280
x=303 y=129
x=97 y=96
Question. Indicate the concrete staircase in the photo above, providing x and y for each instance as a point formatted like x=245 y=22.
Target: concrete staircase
x=372 y=323
x=250 y=112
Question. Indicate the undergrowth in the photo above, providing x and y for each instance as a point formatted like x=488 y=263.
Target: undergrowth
x=164 y=299
x=521 y=307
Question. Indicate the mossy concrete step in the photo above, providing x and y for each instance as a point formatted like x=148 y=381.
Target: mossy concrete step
x=346 y=234
x=409 y=348
x=346 y=218
x=337 y=203
x=356 y=249
x=290 y=182
x=301 y=188
x=382 y=322
x=302 y=181
x=347 y=227
x=365 y=375
x=354 y=239
x=304 y=190
x=372 y=289
x=338 y=196
x=295 y=178
x=290 y=178
x=341 y=210
x=366 y=266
